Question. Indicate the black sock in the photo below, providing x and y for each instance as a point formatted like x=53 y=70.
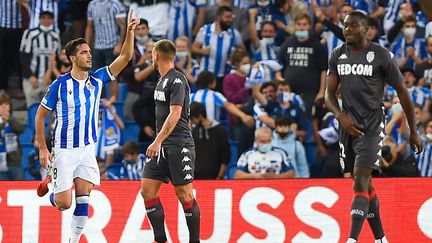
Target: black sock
x=373 y=216
x=192 y=214
x=359 y=210
x=156 y=215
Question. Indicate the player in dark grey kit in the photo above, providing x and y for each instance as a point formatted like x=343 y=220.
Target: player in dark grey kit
x=361 y=67
x=172 y=154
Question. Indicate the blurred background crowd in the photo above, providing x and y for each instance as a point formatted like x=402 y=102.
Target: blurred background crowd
x=257 y=72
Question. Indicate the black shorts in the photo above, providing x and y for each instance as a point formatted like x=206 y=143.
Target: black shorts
x=364 y=151
x=175 y=164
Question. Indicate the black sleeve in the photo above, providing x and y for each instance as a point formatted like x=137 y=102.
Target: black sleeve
x=393 y=32
x=390 y=68
x=25 y=59
x=337 y=31
x=178 y=88
x=223 y=146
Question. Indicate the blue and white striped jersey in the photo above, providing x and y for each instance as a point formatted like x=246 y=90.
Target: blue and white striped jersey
x=221 y=48
x=104 y=14
x=253 y=161
x=258 y=111
x=399 y=49
x=331 y=40
x=182 y=16
x=76 y=106
x=424 y=159
x=212 y=100
x=132 y=171
x=391 y=13
x=10 y=15
x=39 y=6
x=266 y=51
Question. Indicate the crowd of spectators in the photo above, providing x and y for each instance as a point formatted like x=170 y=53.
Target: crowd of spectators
x=256 y=69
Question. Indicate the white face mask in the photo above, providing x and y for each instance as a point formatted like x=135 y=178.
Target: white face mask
x=182 y=54
x=268 y=40
x=46 y=28
x=409 y=32
x=141 y=39
x=245 y=68
x=429 y=137
x=263 y=4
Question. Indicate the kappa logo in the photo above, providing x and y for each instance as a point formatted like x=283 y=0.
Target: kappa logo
x=185 y=150
x=186 y=159
x=188 y=177
x=370 y=56
x=164 y=83
x=343 y=56
x=187 y=167
x=178 y=81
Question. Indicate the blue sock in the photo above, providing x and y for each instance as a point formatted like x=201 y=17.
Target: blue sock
x=52 y=200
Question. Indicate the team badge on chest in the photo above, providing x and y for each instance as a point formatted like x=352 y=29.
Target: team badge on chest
x=370 y=56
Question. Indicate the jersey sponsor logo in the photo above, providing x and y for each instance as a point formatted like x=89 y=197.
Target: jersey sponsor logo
x=354 y=69
x=187 y=167
x=188 y=177
x=370 y=56
x=358 y=212
x=343 y=56
x=186 y=159
x=159 y=95
x=178 y=81
x=185 y=150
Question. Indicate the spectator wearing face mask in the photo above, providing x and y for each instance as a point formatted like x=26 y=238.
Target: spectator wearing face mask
x=305 y=62
x=184 y=61
x=285 y=138
x=132 y=164
x=408 y=49
x=264 y=161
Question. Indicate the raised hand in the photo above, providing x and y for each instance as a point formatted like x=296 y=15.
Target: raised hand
x=133 y=21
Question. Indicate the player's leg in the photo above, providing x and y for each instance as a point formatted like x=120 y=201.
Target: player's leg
x=374 y=217
x=182 y=166
x=155 y=212
x=191 y=210
x=80 y=214
x=85 y=176
x=154 y=173
x=360 y=203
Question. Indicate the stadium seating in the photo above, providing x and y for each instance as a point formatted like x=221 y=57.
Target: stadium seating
x=130 y=132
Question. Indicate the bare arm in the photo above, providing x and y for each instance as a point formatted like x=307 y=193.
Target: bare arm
x=143 y=74
x=197 y=49
x=233 y=109
x=44 y=155
x=127 y=50
x=241 y=175
x=89 y=32
x=199 y=20
x=322 y=85
x=330 y=94
x=252 y=28
x=170 y=123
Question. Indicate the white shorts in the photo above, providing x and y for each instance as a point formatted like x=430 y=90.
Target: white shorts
x=70 y=163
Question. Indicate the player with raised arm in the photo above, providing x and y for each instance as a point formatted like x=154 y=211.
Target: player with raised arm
x=75 y=98
x=361 y=68
x=171 y=156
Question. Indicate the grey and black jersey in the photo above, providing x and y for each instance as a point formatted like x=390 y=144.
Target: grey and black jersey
x=173 y=89
x=362 y=75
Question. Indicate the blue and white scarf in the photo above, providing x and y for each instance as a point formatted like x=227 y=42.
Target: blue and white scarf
x=109 y=135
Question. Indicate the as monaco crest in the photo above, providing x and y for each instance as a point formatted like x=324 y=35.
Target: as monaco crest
x=370 y=56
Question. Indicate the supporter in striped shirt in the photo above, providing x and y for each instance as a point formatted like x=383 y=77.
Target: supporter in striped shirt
x=37 y=46
x=216 y=43
x=215 y=101
x=185 y=18
x=424 y=159
x=37 y=7
x=75 y=98
x=10 y=37
x=132 y=164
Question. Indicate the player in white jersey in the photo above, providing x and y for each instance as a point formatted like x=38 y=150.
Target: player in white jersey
x=75 y=98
